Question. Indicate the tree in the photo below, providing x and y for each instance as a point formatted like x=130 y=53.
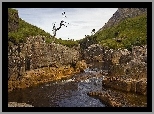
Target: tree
x=93 y=31
x=62 y=23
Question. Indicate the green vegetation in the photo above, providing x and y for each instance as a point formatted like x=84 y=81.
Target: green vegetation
x=68 y=43
x=12 y=19
x=12 y=12
x=25 y=30
x=87 y=41
x=131 y=31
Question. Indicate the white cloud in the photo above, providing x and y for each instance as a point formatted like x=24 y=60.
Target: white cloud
x=81 y=20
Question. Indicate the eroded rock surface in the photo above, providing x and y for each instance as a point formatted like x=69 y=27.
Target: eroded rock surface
x=126 y=84
x=81 y=66
x=15 y=104
x=114 y=98
x=35 y=53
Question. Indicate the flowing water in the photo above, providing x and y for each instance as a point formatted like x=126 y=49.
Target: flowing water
x=64 y=93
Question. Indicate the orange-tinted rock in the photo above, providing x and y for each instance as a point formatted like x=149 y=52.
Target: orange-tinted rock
x=41 y=75
x=126 y=84
x=105 y=98
x=81 y=66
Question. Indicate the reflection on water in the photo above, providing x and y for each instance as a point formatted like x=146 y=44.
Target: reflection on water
x=71 y=93
x=65 y=93
x=79 y=98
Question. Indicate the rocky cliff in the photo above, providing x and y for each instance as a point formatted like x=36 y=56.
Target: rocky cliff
x=35 y=53
x=122 y=67
x=33 y=59
x=123 y=13
x=13 y=20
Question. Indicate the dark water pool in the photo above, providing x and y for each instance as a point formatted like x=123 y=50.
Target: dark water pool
x=65 y=93
x=69 y=93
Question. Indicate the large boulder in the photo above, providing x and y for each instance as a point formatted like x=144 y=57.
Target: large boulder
x=115 y=98
x=116 y=70
x=106 y=98
x=94 y=53
x=108 y=57
x=125 y=56
x=127 y=84
x=140 y=53
x=119 y=83
x=81 y=66
x=115 y=57
x=134 y=69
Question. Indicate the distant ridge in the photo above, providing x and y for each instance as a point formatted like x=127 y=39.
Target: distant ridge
x=123 y=13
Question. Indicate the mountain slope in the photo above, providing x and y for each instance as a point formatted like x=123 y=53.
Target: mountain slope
x=123 y=13
x=23 y=29
x=132 y=31
x=121 y=32
x=19 y=30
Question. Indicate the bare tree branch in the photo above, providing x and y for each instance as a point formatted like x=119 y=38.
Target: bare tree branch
x=62 y=23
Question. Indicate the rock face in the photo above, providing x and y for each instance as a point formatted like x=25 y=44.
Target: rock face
x=131 y=73
x=41 y=75
x=15 y=104
x=133 y=69
x=126 y=69
x=123 y=13
x=114 y=98
x=108 y=57
x=93 y=53
x=81 y=66
x=115 y=57
x=112 y=59
x=140 y=53
x=35 y=53
x=106 y=98
x=13 y=20
x=132 y=64
x=127 y=84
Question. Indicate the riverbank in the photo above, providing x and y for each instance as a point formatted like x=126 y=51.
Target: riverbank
x=45 y=74
x=73 y=92
x=15 y=104
x=62 y=93
x=38 y=76
x=115 y=98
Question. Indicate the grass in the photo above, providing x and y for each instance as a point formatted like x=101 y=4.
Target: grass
x=25 y=30
x=131 y=31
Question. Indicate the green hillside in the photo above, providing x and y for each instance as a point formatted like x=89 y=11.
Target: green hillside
x=131 y=31
x=25 y=30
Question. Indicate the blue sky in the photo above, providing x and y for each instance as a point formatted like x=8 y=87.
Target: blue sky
x=81 y=20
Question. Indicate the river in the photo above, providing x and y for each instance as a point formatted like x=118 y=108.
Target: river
x=66 y=93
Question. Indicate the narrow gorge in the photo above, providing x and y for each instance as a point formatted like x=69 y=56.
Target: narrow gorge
x=104 y=72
